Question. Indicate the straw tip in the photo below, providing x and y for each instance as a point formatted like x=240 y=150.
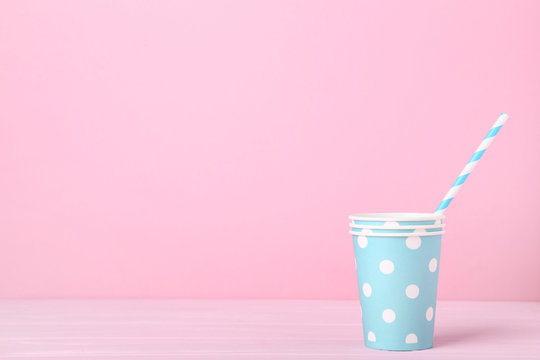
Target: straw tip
x=502 y=119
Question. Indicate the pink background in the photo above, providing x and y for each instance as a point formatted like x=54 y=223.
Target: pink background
x=213 y=149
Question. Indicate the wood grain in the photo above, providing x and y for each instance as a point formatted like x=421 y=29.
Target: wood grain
x=250 y=329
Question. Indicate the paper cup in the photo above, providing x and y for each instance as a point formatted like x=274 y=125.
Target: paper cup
x=397 y=278
x=397 y=219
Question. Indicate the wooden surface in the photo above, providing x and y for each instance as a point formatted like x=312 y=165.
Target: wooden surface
x=177 y=329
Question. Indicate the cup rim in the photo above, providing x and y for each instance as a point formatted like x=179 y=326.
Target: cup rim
x=411 y=227
x=398 y=234
x=395 y=216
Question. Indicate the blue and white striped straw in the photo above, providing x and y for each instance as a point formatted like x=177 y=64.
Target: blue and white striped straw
x=471 y=164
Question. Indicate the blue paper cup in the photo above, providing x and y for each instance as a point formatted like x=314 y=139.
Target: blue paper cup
x=396 y=219
x=397 y=278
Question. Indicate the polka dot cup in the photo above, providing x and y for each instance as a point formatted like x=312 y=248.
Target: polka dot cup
x=397 y=277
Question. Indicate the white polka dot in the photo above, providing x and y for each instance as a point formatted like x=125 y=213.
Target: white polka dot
x=418 y=231
x=412 y=291
x=391 y=224
x=366 y=288
x=362 y=241
x=413 y=242
x=389 y=316
x=411 y=339
x=429 y=313
x=371 y=336
x=386 y=267
x=367 y=231
x=433 y=265
x=438 y=222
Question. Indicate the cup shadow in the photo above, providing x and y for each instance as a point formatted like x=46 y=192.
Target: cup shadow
x=463 y=335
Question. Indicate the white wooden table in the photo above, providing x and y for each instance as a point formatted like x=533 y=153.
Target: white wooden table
x=231 y=329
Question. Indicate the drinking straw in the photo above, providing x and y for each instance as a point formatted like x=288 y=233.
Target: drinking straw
x=471 y=164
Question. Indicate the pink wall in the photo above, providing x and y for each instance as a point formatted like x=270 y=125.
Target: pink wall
x=213 y=149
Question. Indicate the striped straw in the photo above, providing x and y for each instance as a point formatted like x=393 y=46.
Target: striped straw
x=471 y=164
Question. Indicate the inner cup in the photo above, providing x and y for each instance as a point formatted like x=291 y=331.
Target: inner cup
x=398 y=234
x=398 y=231
x=374 y=229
